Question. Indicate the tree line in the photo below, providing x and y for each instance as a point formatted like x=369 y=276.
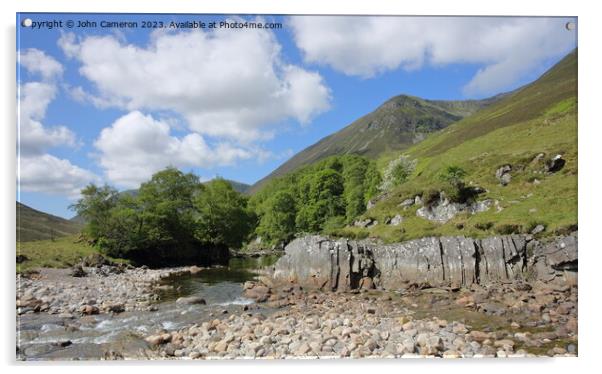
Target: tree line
x=175 y=218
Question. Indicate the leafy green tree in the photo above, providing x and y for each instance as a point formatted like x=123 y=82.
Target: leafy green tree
x=222 y=216
x=95 y=207
x=325 y=195
x=323 y=199
x=166 y=208
x=277 y=222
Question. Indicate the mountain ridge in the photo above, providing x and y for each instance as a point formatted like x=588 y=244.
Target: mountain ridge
x=395 y=125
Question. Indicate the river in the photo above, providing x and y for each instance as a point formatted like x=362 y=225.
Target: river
x=49 y=337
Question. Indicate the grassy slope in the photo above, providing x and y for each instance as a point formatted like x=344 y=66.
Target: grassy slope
x=62 y=252
x=35 y=225
x=541 y=117
x=394 y=126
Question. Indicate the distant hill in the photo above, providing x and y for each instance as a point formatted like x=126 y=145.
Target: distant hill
x=240 y=187
x=35 y=225
x=394 y=126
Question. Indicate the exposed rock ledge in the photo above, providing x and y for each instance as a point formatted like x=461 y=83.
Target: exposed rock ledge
x=319 y=262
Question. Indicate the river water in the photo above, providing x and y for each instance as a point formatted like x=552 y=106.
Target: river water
x=49 y=337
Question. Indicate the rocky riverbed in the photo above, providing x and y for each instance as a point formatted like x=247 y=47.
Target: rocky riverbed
x=517 y=320
x=115 y=311
x=103 y=289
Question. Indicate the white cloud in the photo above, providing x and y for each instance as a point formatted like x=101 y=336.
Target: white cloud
x=34 y=137
x=137 y=145
x=37 y=170
x=34 y=98
x=37 y=62
x=509 y=47
x=51 y=175
x=227 y=84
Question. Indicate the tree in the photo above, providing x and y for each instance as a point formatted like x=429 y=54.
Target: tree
x=165 y=206
x=95 y=207
x=277 y=222
x=323 y=199
x=325 y=195
x=222 y=217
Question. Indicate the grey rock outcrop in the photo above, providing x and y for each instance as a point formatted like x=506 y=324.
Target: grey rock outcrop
x=319 y=262
x=556 y=260
x=555 y=164
x=396 y=220
x=443 y=209
x=503 y=174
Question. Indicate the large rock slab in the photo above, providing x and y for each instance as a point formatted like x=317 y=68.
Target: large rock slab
x=342 y=264
x=556 y=260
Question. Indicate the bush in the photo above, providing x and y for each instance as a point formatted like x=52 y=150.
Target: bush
x=430 y=197
x=397 y=172
x=508 y=229
x=483 y=226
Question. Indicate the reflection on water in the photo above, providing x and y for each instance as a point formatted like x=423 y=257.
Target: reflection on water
x=217 y=285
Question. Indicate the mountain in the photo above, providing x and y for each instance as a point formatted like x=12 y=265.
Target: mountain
x=394 y=126
x=521 y=134
x=35 y=225
x=239 y=186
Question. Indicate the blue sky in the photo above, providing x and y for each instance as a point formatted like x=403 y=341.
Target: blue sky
x=113 y=105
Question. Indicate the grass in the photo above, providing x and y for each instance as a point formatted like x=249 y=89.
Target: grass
x=59 y=253
x=540 y=118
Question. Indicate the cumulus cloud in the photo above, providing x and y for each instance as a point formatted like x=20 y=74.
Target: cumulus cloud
x=137 y=145
x=509 y=47
x=39 y=171
x=227 y=84
x=51 y=175
x=34 y=137
x=37 y=62
x=34 y=98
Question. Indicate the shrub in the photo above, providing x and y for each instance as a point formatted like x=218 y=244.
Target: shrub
x=508 y=229
x=483 y=226
x=430 y=197
x=397 y=172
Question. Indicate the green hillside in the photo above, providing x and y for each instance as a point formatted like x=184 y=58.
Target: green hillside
x=394 y=126
x=540 y=118
x=35 y=225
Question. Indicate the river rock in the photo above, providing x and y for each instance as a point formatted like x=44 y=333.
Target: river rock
x=89 y=310
x=116 y=308
x=192 y=300
x=259 y=293
x=96 y=260
x=78 y=272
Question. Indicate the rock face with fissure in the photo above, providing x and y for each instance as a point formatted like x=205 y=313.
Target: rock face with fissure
x=319 y=262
